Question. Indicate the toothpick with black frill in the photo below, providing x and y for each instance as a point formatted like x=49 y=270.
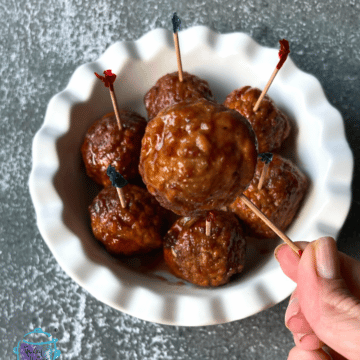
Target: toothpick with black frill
x=176 y=27
x=119 y=182
x=266 y=158
x=283 y=54
x=108 y=81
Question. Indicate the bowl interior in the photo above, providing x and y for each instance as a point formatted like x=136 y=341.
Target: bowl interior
x=226 y=62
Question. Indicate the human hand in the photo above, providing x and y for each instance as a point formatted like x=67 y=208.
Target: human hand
x=325 y=307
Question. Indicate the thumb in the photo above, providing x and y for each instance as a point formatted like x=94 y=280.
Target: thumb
x=325 y=300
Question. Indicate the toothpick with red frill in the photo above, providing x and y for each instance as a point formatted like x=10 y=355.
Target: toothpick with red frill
x=176 y=27
x=283 y=54
x=266 y=158
x=108 y=81
x=119 y=182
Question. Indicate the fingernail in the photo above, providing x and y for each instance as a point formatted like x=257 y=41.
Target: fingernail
x=309 y=340
x=292 y=311
x=326 y=261
x=277 y=250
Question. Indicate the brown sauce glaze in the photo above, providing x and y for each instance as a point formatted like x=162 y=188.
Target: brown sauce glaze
x=271 y=126
x=279 y=199
x=106 y=145
x=205 y=260
x=137 y=228
x=168 y=90
x=197 y=156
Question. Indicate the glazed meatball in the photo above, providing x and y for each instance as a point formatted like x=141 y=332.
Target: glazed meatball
x=197 y=156
x=137 y=228
x=279 y=198
x=270 y=125
x=106 y=145
x=205 y=260
x=168 y=90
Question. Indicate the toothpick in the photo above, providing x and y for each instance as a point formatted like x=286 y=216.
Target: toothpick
x=256 y=107
x=208 y=228
x=283 y=54
x=116 y=108
x=270 y=224
x=266 y=158
x=108 y=81
x=121 y=197
x=263 y=175
x=119 y=182
x=176 y=27
x=210 y=217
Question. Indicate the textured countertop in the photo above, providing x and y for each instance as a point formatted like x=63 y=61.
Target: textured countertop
x=41 y=44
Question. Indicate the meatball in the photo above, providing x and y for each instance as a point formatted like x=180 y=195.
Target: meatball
x=106 y=145
x=205 y=260
x=137 y=228
x=197 y=156
x=168 y=90
x=279 y=198
x=271 y=126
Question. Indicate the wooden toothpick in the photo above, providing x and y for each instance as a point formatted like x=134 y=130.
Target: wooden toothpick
x=176 y=27
x=119 y=182
x=208 y=228
x=210 y=217
x=108 y=81
x=270 y=224
x=283 y=54
x=121 y=197
x=266 y=158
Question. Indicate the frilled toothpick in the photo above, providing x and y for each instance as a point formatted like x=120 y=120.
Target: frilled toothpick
x=108 y=81
x=119 y=182
x=283 y=54
x=176 y=27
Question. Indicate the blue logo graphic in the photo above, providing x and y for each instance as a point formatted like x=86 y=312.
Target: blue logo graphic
x=40 y=350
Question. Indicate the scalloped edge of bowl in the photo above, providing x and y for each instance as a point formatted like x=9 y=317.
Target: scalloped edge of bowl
x=207 y=307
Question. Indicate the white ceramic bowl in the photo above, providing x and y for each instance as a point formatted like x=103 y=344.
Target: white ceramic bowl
x=61 y=191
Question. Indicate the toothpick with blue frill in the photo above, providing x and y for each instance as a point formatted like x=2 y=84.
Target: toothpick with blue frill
x=266 y=158
x=176 y=27
x=119 y=182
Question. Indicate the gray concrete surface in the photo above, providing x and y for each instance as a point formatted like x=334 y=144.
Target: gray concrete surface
x=41 y=44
